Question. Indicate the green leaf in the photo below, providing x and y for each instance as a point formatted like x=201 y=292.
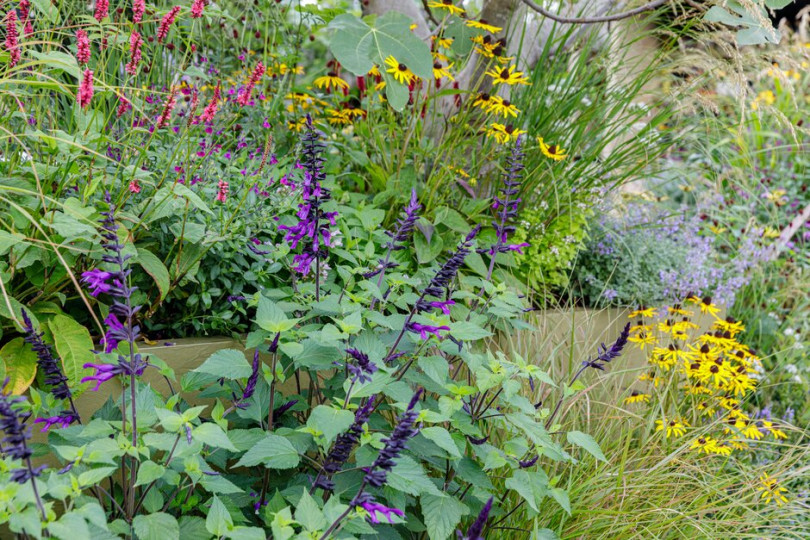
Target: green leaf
x=157 y=526
x=47 y=8
x=409 y=477
x=20 y=364
x=271 y=318
x=94 y=476
x=442 y=438
x=532 y=486
x=212 y=435
x=330 y=421
x=427 y=250
x=153 y=266
x=227 y=363
x=69 y=527
x=358 y=46
x=219 y=521
x=148 y=472
x=468 y=331
x=309 y=514
x=9 y=240
x=59 y=60
x=586 y=442
x=462 y=36
x=273 y=452
x=442 y=514
x=75 y=347
x=561 y=496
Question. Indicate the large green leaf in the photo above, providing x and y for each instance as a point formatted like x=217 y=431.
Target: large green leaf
x=358 y=46
x=20 y=364
x=330 y=421
x=588 y=443
x=409 y=477
x=273 y=452
x=219 y=521
x=155 y=268
x=442 y=513
x=532 y=486
x=74 y=346
x=756 y=28
x=442 y=438
x=227 y=363
x=212 y=435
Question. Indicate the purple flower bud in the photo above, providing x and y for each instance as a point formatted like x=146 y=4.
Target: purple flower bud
x=476 y=530
x=63 y=420
x=424 y=329
x=373 y=508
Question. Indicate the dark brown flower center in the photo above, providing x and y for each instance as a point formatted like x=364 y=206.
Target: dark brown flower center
x=402 y=67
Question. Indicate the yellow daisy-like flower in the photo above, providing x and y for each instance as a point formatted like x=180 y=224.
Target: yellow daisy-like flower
x=442 y=42
x=483 y=101
x=777 y=433
x=650 y=377
x=720 y=449
x=399 y=70
x=374 y=71
x=642 y=312
x=483 y=25
x=440 y=71
x=640 y=327
x=329 y=81
x=637 y=397
x=297 y=125
x=678 y=310
x=729 y=325
x=673 y=427
x=439 y=57
x=704 y=444
x=503 y=107
x=740 y=383
x=503 y=133
x=552 y=151
x=766 y=96
x=752 y=431
x=706 y=409
x=706 y=306
x=446 y=5
x=336 y=118
x=507 y=76
x=643 y=339
x=283 y=69
x=770 y=490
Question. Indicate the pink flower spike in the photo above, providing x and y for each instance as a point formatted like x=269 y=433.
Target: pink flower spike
x=12 y=38
x=166 y=22
x=102 y=10
x=123 y=106
x=135 y=43
x=168 y=107
x=222 y=193
x=211 y=109
x=138 y=9
x=255 y=77
x=85 y=94
x=82 y=47
x=197 y=7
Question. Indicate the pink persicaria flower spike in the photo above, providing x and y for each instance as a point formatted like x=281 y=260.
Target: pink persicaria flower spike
x=12 y=38
x=255 y=77
x=102 y=10
x=82 y=47
x=123 y=106
x=197 y=7
x=166 y=22
x=222 y=191
x=134 y=187
x=168 y=107
x=138 y=9
x=25 y=8
x=85 y=94
x=135 y=44
x=211 y=109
